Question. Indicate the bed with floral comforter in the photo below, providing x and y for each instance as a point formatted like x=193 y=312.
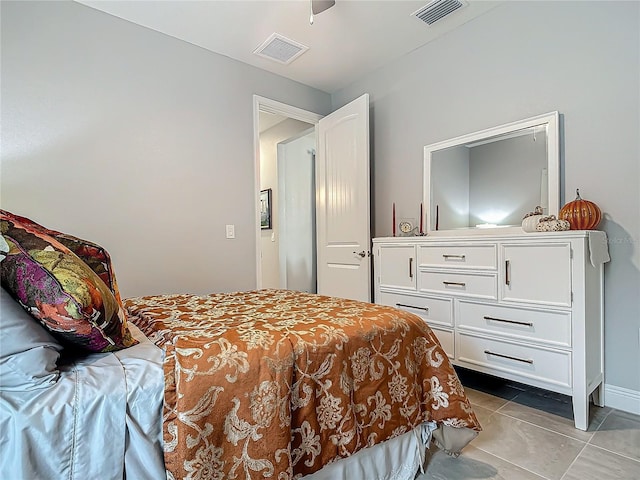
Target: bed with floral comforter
x=277 y=384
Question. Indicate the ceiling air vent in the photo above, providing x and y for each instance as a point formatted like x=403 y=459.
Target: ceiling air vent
x=437 y=9
x=280 y=48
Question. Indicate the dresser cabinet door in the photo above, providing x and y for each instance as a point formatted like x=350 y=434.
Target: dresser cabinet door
x=536 y=273
x=397 y=266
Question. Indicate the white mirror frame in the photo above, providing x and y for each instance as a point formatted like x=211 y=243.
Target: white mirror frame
x=550 y=120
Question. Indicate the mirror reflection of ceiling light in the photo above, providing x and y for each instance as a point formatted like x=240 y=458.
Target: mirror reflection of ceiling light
x=493 y=216
x=491 y=225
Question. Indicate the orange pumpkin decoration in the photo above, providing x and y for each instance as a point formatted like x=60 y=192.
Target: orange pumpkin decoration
x=581 y=214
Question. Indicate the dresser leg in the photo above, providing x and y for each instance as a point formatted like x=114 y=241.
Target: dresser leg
x=598 y=395
x=581 y=411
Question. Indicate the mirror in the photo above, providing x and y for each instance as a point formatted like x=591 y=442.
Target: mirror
x=490 y=179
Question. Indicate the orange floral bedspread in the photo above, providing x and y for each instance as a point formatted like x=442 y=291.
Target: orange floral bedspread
x=276 y=383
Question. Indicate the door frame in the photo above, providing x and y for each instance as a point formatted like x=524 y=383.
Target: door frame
x=263 y=104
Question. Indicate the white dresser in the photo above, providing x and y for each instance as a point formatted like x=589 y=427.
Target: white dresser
x=527 y=307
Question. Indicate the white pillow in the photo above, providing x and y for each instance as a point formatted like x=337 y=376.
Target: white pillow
x=28 y=353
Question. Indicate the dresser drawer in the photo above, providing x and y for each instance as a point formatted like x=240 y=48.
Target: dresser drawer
x=535 y=363
x=432 y=310
x=458 y=256
x=445 y=337
x=518 y=323
x=480 y=285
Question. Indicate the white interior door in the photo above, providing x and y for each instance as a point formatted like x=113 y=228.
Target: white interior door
x=342 y=206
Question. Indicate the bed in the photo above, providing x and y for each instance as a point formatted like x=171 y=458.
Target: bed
x=260 y=384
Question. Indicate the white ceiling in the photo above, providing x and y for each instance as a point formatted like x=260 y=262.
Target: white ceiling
x=351 y=39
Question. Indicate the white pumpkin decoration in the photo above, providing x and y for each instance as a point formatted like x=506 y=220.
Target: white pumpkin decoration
x=531 y=219
x=553 y=224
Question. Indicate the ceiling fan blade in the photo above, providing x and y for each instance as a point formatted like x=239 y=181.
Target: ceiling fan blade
x=319 y=6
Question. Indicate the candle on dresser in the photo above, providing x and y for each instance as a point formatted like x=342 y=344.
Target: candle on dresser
x=394 y=219
x=421 y=217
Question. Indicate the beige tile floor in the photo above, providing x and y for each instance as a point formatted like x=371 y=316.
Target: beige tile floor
x=528 y=434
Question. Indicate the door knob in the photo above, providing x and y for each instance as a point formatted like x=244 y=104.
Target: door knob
x=362 y=253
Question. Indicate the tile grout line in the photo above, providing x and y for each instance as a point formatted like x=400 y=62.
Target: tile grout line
x=611 y=410
x=596 y=428
x=602 y=422
x=541 y=427
x=550 y=430
x=615 y=453
x=574 y=461
x=533 y=424
x=546 y=429
x=503 y=405
x=586 y=443
x=514 y=464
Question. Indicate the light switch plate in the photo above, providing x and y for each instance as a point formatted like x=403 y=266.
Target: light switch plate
x=231 y=231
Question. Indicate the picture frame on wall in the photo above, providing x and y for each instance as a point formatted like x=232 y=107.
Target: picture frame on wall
x=265 y=209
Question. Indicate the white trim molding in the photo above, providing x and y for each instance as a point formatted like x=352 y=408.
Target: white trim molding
x=622 y=399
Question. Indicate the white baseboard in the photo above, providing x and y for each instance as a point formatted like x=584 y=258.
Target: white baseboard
x=622 y=399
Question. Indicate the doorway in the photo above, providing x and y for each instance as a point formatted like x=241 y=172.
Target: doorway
x=285 y=149
x=343 y=240
x=297 y=212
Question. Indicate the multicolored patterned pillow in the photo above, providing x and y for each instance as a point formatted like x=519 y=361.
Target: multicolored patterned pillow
x=61 y=290
x=90 y=253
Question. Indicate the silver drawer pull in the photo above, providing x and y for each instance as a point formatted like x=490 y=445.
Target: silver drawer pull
x=426 y=309
x=523 y=360
x=457 y=284
x=446 y=257
x=526 y=324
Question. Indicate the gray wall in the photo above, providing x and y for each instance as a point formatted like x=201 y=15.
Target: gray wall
x=519 y=60
x=136 y=140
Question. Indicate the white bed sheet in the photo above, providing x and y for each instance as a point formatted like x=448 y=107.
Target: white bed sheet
x=104 y=412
